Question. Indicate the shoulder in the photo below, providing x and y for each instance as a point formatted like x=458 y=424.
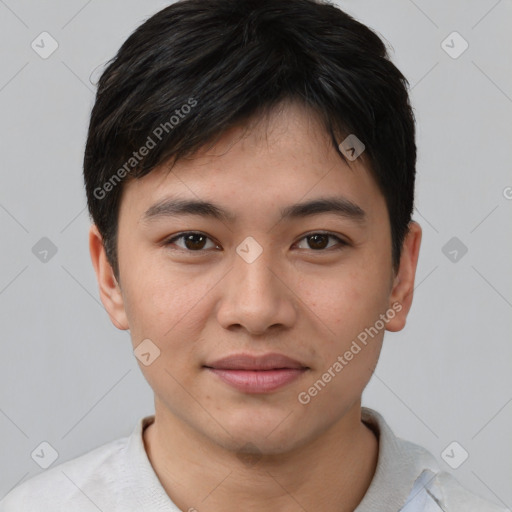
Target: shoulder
x=441 y=492
x=72 y=485
x=408 y=478
x=446 y=490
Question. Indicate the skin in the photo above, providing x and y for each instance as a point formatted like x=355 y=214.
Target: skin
x=306 y=303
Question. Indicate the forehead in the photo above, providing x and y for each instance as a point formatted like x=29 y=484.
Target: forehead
x=283 y=157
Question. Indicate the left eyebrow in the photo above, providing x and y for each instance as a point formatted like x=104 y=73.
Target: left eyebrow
x=340 y=206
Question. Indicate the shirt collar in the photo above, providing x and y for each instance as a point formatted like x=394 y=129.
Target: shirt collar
x=399 y=464
x=148 y=492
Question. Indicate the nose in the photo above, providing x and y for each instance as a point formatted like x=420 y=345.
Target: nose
x=256 y=296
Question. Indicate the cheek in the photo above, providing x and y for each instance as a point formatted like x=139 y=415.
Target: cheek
x=345 y=300
x=346 y=307
x=170 y=311
x=163 y=305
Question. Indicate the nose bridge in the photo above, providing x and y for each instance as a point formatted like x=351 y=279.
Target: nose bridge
x=254 y=296
x=252 y=271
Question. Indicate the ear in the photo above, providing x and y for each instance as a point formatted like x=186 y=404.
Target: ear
x=110 y=291
x=403 y=284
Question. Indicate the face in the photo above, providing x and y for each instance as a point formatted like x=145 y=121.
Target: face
x=289 y=290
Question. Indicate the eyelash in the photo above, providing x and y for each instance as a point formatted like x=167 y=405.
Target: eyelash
x=341 y=243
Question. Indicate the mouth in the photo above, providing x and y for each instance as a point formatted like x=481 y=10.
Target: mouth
x=257 y=374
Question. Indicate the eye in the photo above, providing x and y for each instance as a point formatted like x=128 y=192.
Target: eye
x=192 y=241
x=319 y=241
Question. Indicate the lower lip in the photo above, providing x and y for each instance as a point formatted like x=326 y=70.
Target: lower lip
x=261 y=381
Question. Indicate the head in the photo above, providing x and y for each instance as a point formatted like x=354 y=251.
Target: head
x=244 y=107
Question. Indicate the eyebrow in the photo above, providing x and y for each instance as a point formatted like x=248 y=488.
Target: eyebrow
x=170 y=207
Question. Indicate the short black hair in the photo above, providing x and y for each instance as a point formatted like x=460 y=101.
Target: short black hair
x=199 y=67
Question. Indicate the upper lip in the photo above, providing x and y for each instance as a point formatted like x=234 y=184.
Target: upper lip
x=270 y=361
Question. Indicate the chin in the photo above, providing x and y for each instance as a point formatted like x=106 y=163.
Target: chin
x=271 y=434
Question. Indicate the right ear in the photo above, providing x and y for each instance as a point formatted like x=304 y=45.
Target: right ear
x=110 y=291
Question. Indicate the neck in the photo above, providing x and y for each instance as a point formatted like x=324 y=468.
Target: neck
x=331 y=473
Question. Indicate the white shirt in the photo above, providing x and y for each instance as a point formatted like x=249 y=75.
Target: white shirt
x=118 y=477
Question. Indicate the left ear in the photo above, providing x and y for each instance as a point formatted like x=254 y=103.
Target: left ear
x=403 y=284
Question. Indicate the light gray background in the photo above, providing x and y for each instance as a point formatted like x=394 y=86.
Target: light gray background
x=69 y=377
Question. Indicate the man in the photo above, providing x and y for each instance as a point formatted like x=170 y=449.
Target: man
x=250 y=175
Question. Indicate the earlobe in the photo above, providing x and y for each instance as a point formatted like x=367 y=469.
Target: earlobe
x=403 y=285
x=110 y=291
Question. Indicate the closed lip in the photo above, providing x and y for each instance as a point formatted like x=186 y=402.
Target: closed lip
x=271 y=361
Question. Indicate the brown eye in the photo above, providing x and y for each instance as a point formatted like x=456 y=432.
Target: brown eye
x=320 y=241
x=192 y=241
